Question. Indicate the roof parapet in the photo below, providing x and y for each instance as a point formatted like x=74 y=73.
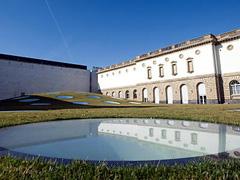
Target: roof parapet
x=176 y=47
x=228 y=35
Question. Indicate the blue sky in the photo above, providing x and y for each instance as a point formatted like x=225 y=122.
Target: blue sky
x=104 y=32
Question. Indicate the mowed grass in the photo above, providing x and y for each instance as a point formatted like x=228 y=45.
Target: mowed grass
x=209 y=113
x=12 y=168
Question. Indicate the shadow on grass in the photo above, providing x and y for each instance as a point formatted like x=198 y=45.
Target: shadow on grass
x=14 y=104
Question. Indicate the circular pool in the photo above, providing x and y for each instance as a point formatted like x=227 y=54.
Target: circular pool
x=94 y=97
x=121 y=140
x=80 y=103
x=64 y=97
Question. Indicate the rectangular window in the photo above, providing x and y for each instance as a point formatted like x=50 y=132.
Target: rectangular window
x=150 y=132
x=238 y=89
x=235 y=89
x=149 y=73
x=174 y=69
x=177 y=136
x=194 y=138
x=190 y=66
x=161 y=71
x=164 y=134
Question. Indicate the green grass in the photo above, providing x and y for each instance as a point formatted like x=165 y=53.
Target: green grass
x=11 y=168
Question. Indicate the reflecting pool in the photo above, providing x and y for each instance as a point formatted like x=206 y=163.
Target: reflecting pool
x=64 y=97
x=80 y=103
x=28 y=100
x=122 y=139
x=111 y=102
x=94 y=97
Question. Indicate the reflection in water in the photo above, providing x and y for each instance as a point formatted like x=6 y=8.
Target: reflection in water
x=200 y=137
x=122 y=139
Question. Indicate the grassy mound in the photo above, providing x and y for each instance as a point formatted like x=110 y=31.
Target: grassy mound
x=56 y=102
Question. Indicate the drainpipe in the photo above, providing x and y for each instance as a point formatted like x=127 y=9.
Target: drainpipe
x=218 y=73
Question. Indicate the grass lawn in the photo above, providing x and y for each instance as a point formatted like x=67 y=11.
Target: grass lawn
x=60 y=109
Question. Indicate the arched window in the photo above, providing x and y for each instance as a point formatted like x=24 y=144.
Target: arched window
x=107 y=94
x=202 y=97
x=234 y=87
x=184 y=94
x=144 y=95
x=169 y=95
x=156 y=95
x=134 y=94
x=113 y=94
x=120 y=94
x=127 y=94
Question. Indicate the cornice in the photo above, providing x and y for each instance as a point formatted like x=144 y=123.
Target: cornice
x=210 y=38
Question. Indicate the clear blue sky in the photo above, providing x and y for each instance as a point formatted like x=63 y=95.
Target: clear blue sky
x=104 y=32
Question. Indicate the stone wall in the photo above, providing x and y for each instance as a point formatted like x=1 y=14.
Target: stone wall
x=227 y=78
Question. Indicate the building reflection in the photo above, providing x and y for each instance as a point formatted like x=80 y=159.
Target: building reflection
x=205 y=138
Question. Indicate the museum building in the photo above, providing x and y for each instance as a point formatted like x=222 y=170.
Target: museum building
x=204 y=70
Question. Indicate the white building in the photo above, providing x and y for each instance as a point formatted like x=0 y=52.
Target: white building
x=201 y=70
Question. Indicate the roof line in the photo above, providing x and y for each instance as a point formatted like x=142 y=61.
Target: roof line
x=40 y=61
x=208 y=38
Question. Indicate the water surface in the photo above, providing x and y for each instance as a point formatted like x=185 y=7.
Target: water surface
x=121 y=139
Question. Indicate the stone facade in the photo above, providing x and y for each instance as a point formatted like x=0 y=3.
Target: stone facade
x=227 y=78
x=191 y=83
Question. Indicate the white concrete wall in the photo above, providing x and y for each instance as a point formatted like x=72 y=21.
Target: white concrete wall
x=203 y=64
x=229 y=59
x=17 y=77
x=118 y=78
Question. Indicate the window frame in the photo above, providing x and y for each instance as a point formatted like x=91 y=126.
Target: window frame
x=161 y=70
x=194 y=138
x=164 y=134
x=234 y=86
x=190 y=68
x=149 y=72
x=127 y=94
x=174 y=68
x=151 y=132
x=134 y=94
x=177 y=135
